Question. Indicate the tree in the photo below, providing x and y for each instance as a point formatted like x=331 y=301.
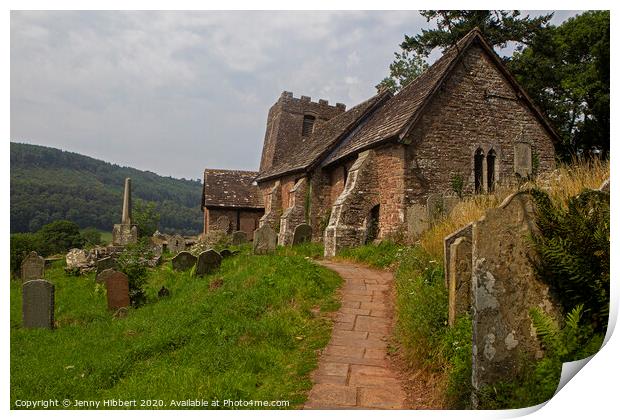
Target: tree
x=499 y=27
x=21 y=245
x=146 y=217
x=59 y=236
x=566 y=71
x=92 y=236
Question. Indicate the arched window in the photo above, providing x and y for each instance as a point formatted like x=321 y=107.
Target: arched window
x=491 y=170
x=308 y=126
x=478 y=170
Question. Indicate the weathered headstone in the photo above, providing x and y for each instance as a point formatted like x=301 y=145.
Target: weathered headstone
x=465 y=232
x=33 y=267
x=417 y=220
x=105 y=263
x=434 y=206
x=303 y=233
x=183 y=261
x=117 y=286
x=38 y=304
x=459 y=282
x=239 y=237
x=208 y=261
x=223 y=224
x=102 y=276
x=264 y=240
x=176 y=244
x=523 y=159
x=504 y=290
x=449 y=202
x=225 y=253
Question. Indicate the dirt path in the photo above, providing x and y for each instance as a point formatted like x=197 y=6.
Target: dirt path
x=354 y=370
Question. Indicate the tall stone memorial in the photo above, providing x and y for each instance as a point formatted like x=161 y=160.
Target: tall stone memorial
x=504 y=290
x=38 y=304
x=33 y=267
x=125 y=233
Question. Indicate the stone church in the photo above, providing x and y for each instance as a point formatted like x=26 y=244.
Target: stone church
x=383 y=167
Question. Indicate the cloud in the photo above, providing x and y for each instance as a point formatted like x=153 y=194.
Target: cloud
x=175 y=92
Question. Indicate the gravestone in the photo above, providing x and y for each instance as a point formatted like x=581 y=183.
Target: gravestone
x=504 y=289
x=449 y=202
x=459 y=282
x=208 y=262
x=239 y=237
x=222 y=224
x=434 y=206
x=33 y=267
x=183 y=261
x=523 y=159
x=38 y=304
x=117 y=286
x=105 y=264
x=104 y=275
x=225 y=253
x=303 y=233
x=176 y=244
x=265 y=239
x=465 y=232
x=417 y=220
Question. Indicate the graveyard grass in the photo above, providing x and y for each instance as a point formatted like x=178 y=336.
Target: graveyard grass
x=247 y=332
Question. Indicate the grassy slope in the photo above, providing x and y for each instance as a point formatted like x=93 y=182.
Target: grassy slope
x=254 y=337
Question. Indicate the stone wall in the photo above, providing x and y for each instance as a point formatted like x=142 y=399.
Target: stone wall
x=475 y=108
x=295 y=214
x=272 y=193
x=246 y=220
x=389 y=170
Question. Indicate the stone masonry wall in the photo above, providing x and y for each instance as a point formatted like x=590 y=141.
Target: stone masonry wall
x=475 y=108
x=245 y=220
x=389 y=168
x=272 y=193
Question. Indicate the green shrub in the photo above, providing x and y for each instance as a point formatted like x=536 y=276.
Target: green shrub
x=91 y=236
x=59 y=237
x=133 y=262
x=381 y=255
x=574 y=251
x=21 y=245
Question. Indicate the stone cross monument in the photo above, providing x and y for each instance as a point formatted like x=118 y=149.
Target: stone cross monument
x=125 y=233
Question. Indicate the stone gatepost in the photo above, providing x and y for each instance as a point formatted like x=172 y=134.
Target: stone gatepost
x=459 y=282
x=346 y=226
x=504 y=290
x=295 y=214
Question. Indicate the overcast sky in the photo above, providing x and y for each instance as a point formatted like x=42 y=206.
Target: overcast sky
x=176 y=92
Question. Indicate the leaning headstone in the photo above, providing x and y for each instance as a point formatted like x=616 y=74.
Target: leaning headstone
x=459 y=282
x=239 y=237
x=303 y=233
x=117 y=286
x=464 y=232
x=183 y=261
x=105 y=264
x=504 y=290
x=33 y=267
x=208 y=261
x=225 y=253
x=38 y=304
x=265 y=239
x=104 y=274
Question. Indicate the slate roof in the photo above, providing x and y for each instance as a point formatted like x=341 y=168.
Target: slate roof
x=231 y=188
x=325 y=136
